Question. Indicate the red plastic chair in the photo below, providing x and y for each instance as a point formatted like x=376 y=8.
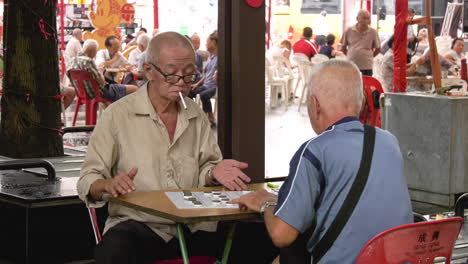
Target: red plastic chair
x=77 y=77
x=371 y=112
x=193 y=260
x=413 y=243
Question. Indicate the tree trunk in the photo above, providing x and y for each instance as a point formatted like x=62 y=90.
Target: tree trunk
x=30 y=117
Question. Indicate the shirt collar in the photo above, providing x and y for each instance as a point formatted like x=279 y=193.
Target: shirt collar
x=355 y=29
x=343 y=120
x=142 y=105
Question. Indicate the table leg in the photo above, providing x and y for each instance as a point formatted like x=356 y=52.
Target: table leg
x=183 y=246
x=227 y=247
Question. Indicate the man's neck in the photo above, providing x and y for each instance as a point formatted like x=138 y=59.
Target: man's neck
x=361 y=27
x=111 y=54
x=213 y=52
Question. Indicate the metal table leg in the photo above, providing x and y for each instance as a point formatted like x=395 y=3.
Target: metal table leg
x=227 y=247
x=183 y=246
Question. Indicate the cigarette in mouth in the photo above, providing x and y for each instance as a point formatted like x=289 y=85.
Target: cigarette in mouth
x=182 y=99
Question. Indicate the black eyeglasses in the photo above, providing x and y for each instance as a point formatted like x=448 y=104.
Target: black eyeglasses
x=174 y=78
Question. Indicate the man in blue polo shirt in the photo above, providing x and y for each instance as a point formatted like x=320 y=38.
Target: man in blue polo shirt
x=324 y=168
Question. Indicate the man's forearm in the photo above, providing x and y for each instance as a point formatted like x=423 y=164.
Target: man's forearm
x=280 y=232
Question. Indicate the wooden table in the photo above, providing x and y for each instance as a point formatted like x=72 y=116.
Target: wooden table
x=115 y=70
x=157 y=203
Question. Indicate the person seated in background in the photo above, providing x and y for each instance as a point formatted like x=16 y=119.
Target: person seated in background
x=134 y=59
x=110 y=57
x=281 y=50
x=207 y=87
x=422 y=66
x=423 y=43
x=387 y=66
x=195 y=39
x=328 y=49
x=456 y=52
x=85 y=61
x=142 y=43
x=323 y=170
x=148 y=141
x=304 y=45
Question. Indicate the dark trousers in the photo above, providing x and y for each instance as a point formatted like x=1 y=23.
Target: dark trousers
x=366 y=72
x=134 y=242
x=205 y=96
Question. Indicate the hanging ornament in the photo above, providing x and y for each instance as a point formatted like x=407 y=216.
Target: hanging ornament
x=128 y=13
x=254 y=3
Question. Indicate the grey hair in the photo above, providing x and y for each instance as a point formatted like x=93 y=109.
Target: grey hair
x=76 y=32
x=90 y=44
x=339 y=82
x=144 y=40
x=164 y=40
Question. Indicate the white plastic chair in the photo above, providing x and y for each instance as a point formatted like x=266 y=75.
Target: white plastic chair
x=305 y=69
x=276 y=84
x=319 y=58
x=284 y=70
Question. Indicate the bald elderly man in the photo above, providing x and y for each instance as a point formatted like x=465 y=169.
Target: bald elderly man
x=323 y=170
x=73 y=47
x=148 y=141
x=361 y=43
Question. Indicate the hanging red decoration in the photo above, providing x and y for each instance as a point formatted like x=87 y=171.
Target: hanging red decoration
x=290 y=32
x=254 y=3
x=128 y=13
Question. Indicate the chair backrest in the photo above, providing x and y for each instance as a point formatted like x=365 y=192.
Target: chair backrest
x=283 y=64
x=78 y=77
x=371 y=111
x=319 y=58
x=127 y=51
x=299 y=57
x=413 y=243
x=269 y=72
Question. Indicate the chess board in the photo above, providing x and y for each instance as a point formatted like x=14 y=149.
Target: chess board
x=204 y=200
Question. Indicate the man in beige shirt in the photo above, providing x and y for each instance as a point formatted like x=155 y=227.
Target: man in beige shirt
x=148 y=141
x=361 y=43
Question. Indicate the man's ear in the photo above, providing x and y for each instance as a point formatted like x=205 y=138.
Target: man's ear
x=147 y=69
x=316 y=105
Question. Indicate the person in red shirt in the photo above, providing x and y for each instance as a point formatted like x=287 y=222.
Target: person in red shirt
x=304 y=45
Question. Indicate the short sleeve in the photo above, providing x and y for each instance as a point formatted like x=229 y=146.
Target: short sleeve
x=299 y=193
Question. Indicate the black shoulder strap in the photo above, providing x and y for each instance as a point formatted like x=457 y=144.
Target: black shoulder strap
x=351 y=199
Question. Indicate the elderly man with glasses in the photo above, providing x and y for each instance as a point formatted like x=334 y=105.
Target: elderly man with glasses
x=150 y=141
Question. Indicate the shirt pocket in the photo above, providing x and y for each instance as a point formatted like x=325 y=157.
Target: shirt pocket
x=187 y=171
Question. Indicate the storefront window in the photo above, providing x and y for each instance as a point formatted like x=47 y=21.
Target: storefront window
x=316 y=6
x=389 y=6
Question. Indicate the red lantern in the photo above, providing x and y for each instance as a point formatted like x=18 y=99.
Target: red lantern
x=254 y=3
x=128 y=13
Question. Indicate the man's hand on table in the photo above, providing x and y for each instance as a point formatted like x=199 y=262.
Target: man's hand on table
x=255 y=200
x=121 y=184
x=229 y=174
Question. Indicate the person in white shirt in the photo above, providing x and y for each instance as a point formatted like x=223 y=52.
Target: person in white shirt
x=321 y=29
x=74 y=45
x=110 y=57
x=142 y=43
x=456 y=52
